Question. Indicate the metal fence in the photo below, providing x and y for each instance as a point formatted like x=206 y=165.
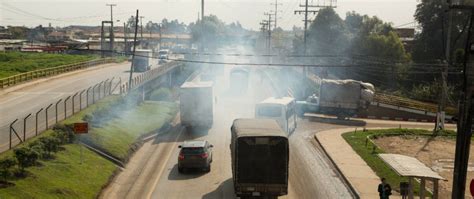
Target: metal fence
x=45 y=117
x=23 y=77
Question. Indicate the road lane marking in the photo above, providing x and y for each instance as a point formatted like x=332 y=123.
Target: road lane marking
x=164 y=165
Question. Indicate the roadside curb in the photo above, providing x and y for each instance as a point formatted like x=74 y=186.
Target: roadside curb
x=104 y=155
x=351 y=187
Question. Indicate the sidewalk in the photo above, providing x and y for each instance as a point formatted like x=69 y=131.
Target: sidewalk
x=361 y=177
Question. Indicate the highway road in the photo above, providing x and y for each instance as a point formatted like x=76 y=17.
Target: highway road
x=152 y=171
x=21 y=100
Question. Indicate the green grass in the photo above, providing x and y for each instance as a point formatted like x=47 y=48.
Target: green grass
x=118 y=134
x=13 y=63
x=357 y=141
x=63 y=177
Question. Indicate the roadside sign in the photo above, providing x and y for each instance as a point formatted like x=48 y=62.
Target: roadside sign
x=81 y=128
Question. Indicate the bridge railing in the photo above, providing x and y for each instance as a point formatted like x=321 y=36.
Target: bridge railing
x=143 y=78
x=47 y=72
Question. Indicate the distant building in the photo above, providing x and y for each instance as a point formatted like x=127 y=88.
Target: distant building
x=57 y=36
x=407 y=36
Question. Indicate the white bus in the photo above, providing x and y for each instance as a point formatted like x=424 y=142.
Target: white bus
x=280 y=109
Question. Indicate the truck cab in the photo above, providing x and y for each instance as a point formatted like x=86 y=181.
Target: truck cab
x=163 y=55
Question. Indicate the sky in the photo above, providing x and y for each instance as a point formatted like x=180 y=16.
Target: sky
x=248 y=12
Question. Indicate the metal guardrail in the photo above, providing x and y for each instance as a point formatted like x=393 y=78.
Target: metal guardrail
x=400 y=101
x=47 y=72
x=139 y=80
x=409 y=103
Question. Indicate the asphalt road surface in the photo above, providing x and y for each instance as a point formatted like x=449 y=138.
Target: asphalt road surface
x=152 y=172
x=19 y=101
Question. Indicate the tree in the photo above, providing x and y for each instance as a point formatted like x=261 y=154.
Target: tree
x=210 y=30
x=5 y=165
x=25 y=157
x=430 y=43
x=50 y=144
x=327 y=33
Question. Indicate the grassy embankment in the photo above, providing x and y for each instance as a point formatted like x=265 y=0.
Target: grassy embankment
x=63 y=176
x=358 y=142
x=13 y=63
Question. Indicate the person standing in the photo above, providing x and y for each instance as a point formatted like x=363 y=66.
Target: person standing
x=384 y=189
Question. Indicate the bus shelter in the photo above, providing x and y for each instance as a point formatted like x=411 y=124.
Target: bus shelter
x=412 y=168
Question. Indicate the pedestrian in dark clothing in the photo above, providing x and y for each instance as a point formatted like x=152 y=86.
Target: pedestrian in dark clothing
x=384 y=190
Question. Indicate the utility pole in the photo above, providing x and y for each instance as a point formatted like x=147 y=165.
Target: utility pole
x=269 y=21
x=161 y=27
x=440 y=116
x=264 y=24
x=276 y=12
x=305 y=11
x=133 y=53
x=141 y=27
x=125 y=46
x=464 y=125
x=112 y=38
x=202 y=9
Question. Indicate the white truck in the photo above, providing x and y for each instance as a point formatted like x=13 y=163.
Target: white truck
x=196 y=104
x=163 y=55
x=343 y=98
x=143 y=60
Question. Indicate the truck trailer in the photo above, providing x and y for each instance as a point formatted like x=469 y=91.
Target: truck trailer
x=260 y=157
x=196 y=104
x=143 y=60
x=343 y=98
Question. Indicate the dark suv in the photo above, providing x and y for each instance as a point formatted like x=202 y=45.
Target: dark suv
x=195 y=154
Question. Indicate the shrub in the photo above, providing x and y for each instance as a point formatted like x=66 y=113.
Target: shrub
x=5 y=165
x=64 y=133
x=25 y=157
x=50 y=144
x=161 y=94
x=38 y=147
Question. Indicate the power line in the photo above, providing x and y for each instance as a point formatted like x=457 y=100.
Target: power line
x=230 y=63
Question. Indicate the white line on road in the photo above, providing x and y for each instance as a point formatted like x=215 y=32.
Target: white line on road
x=164 y=165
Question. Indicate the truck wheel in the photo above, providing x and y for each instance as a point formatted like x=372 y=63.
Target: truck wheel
x=208 y=169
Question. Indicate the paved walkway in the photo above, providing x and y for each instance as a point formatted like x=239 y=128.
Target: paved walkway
x=361 y=177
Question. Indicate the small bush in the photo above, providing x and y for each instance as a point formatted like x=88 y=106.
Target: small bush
x=64 y=133
x=25 y=157
x=38 y=147
x=5 y=167
x=50 y=144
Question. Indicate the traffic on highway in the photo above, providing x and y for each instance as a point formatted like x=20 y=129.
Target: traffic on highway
x=236 y=99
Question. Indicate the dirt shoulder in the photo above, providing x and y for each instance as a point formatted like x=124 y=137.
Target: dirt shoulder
x=436 y=153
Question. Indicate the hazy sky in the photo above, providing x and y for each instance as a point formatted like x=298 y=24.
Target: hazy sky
x=248 y=12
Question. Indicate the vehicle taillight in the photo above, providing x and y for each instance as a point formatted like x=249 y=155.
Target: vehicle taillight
x=204 y=155
x=181 y=156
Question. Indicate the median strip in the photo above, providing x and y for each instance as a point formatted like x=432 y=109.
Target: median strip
x=117 y=124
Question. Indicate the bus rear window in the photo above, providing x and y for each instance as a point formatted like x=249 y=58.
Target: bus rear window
x=269 y=111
